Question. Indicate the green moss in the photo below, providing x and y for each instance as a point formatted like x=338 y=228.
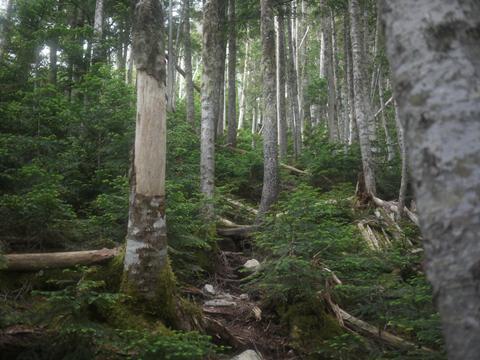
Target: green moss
x=310 y=326
x=111 y=273
x=163 y=304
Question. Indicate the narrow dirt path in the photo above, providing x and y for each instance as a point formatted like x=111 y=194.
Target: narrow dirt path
x=237 y=318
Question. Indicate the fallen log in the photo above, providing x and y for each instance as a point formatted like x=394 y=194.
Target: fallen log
x=227 y=223
x=41 y=261
x=353 y=323
x=393 y=207
x=240 y=231
x=240 y=205
x=294 y=169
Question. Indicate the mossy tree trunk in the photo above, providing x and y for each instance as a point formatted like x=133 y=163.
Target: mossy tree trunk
x=147 y=275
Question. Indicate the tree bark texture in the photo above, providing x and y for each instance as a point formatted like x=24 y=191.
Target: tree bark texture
x=98 y=54
x=434 y=53
x=146 y=249
x=232 y=75
x=190 y=96
x=270 y=152
x=362 y=103
x=293 y=89
x=281 y=87
x=213 y=56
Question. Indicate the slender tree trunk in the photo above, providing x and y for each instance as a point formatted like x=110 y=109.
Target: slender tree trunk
x=190 y=96
x=336 y=77
x=171 y=61
x=293 y=91
x=232 y=76
x=243 y=97
x=270 y=153
x=212 y=55
x=220 y=124
x=147 y=275
x=98 y=53
x=5 y=26
x=353 y=130
x=329 y=66
x=52 y=75
x=388 y=138
x=362 y=104
x=281 y=86
x=433 y=48
x=403 y=152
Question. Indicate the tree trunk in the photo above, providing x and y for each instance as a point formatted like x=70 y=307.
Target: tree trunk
x=232 y=74
x=98 y=53
x=5 y=28
x=329 y=64
x=434 y=53
x=403 y=152
x=52 y=74
x=293 y=90
x=148 y=276
x=171 y=61
x=190 y=96
x=388 y=138
x=362 y=104
x=243 y=89
x=270 y=154
x=353 y=130
x=212 y=55
x=281 y=64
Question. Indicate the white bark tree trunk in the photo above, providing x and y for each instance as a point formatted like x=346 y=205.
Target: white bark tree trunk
x=243 y=89
x=146 y=261
x=270 y=153
x=434 y=52
x=362 y=104
x=171 y=61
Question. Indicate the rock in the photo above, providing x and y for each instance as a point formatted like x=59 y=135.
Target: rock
x=243 y=297
x=248 y=355
x=209 y=289
x=220 y=302
x=252 y=265
x=225 y=296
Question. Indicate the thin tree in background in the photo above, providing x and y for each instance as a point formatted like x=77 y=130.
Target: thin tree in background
x=281 y=85
x=232 y=76
x=98 y=53
x=189 y=87
x=433 y=48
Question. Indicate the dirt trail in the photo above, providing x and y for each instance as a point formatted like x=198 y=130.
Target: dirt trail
x=237 y=318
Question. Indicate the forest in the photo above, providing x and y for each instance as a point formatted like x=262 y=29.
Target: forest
x=239 y=179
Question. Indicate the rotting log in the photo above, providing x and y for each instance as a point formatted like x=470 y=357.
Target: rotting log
x=58 y=260
x=227 y=223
